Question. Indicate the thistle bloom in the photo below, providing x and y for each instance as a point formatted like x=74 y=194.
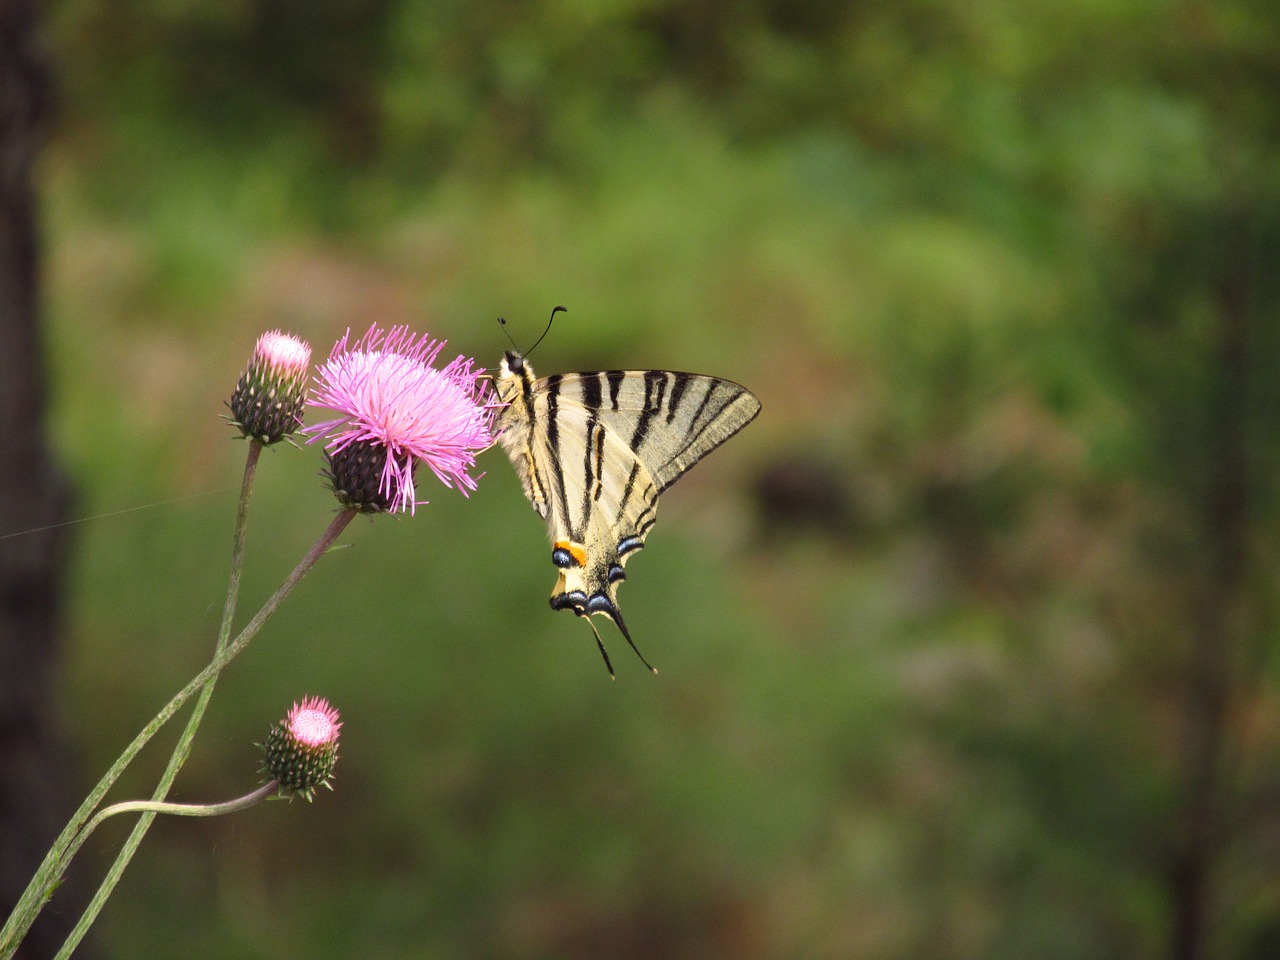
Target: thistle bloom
x=397 y=408
x=268 y=401
x=302 y=749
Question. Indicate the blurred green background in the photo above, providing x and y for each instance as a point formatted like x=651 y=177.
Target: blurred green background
x=967 y=645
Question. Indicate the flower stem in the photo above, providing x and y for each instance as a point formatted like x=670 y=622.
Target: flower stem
x=67 y=843
x=183 y=748
x=174 y=809
x=49 y=875
x=187 y=809
x=91 y=912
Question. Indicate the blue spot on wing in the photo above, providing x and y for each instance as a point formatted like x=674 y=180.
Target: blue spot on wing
x=600 y=603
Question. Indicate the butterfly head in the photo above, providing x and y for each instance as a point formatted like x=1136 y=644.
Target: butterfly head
x=512 y=364
x=513 y=376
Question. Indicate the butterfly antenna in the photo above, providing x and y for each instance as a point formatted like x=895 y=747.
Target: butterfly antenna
x=600 y=643
x=554 y=311
x=502 y=322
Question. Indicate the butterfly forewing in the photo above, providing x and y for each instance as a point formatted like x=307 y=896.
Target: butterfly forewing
x=671 y=420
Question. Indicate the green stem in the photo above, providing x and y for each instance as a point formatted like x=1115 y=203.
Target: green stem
x=91 y=912
x=174 y=809
x=51 y=871
x=65 y=846
x=188 y=809
x=183 y=748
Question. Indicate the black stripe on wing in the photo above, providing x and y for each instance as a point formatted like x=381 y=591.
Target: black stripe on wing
x=600 y=437
x=709 y=418
x=591 y=391
x=627 y=491
x=593 y=462
x=655 y=387
x=553 y=441
x=616 y=378
x=677 y=393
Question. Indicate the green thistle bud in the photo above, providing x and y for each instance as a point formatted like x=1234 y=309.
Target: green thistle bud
x=302 y=749
x=269 y=400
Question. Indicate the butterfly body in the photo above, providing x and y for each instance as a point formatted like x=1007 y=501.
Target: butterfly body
x=594 y=451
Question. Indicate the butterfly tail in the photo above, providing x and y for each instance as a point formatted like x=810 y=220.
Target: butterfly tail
x=600 y=643
x=614 y=614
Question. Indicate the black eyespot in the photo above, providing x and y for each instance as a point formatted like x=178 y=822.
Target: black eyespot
x=574 y=599
x=599 y=603
x=562 y=558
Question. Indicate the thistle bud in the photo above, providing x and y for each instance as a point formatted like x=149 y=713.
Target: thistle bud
x=269 y=399
x=302 y=749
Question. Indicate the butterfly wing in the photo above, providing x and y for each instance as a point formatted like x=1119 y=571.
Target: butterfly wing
x=597 y=499
x=594 y=451
x=669 y=420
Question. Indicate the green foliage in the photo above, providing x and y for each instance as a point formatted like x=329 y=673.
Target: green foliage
x=967 y=646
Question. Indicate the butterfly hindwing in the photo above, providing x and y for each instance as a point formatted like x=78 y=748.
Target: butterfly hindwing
x=601 y=501
x=594 y=451
x=613 y=509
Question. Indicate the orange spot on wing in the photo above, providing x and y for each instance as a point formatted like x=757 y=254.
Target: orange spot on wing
x=575 y=550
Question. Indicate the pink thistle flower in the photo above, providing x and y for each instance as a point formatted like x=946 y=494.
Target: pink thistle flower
x=314 y=722
x=302 y=749
x=398 y=409
x=268 y=401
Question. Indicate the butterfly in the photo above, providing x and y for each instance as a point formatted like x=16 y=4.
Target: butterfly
x=593 y=452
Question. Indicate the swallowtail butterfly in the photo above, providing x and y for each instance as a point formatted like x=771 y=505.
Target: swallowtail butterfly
x=593 y=452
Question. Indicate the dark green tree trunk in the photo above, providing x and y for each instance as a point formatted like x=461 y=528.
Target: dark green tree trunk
x=1223 y=670
x=35 y=782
